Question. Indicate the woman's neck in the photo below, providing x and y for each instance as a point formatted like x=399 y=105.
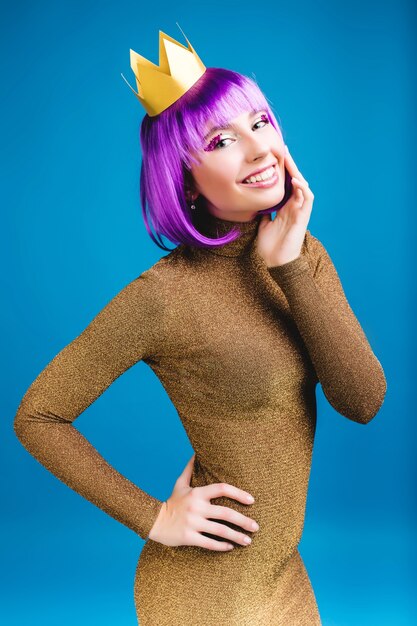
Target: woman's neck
x=213 y=226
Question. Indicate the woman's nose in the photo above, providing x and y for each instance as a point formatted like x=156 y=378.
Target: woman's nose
x=256 y=147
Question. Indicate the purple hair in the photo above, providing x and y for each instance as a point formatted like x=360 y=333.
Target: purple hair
x=167 y=141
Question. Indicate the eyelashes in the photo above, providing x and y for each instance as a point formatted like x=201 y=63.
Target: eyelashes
x=213 y=143
x=216 y=141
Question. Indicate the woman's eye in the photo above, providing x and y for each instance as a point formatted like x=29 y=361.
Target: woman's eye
x=221 y=141
x=264 y=119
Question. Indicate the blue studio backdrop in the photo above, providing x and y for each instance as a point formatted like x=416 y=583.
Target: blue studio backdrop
x=339 y=79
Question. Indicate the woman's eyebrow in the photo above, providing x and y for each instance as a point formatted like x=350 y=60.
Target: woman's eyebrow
x=216 y=128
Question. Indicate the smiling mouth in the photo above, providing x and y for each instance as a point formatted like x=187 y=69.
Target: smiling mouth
x=268 y=182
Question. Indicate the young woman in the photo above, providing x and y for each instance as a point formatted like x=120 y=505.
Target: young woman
x=240 y=322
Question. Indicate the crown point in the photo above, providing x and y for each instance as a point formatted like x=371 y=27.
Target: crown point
x=159 y=86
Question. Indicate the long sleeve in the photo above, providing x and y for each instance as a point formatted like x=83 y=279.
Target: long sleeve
x=351 y=376
x=127 y=329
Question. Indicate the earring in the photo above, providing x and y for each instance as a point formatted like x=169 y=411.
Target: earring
x=192 y=201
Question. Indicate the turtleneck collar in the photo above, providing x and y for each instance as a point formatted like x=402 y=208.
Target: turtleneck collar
x=213 y=227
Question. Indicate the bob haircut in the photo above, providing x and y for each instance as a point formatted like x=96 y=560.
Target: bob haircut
x=167 y=141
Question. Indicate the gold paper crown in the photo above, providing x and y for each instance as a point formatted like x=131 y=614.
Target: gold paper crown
x=160 y=86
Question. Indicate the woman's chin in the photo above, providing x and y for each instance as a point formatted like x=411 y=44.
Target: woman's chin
x=272 y=201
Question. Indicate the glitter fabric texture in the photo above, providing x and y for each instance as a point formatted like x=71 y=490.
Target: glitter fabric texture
x=239 y=348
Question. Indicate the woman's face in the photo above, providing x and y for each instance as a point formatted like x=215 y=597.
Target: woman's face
x=231 y=155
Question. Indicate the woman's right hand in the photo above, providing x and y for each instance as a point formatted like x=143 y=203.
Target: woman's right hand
x=184 y=516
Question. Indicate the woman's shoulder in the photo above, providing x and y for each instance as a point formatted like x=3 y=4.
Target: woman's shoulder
x=166 y=266
x=167 y=271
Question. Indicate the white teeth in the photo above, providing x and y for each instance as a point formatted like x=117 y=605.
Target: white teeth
x=269 y=173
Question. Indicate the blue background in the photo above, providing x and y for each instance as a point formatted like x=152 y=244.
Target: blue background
x=339 y=78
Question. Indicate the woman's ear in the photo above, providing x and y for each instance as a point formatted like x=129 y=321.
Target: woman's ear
x=191 y=195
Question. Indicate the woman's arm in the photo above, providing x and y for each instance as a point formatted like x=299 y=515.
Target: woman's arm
x=351 y=376
x=126 y=330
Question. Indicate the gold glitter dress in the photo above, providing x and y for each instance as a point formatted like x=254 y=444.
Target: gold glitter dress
x=239 y=348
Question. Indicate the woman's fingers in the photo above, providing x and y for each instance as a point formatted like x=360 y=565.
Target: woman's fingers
x=225 y=513
x=222 y=530
x=217 y=490
x=292 y=167
x=196 y=539
x=302 y=196
x=302 y=190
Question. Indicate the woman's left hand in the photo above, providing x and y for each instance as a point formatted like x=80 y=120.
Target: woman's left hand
x=280 y=240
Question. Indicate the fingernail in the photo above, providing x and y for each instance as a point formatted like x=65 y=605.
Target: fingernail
x=251 y=498
x=286 y=149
